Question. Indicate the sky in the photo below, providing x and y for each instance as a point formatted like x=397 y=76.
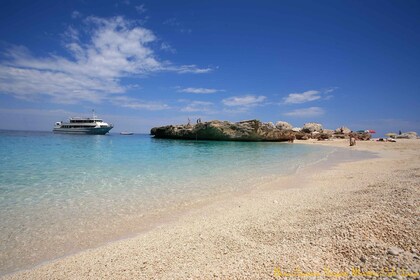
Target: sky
x=141 y=64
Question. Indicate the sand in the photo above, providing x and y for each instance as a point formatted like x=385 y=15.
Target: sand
x=353 y=219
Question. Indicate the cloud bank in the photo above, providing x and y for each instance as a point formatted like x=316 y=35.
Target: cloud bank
x=307 y=96
x=297 y=98
x=244 y=101
x=199 y=90
x=104 y=52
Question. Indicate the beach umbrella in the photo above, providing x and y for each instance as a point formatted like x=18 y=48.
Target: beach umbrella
x=371 y=131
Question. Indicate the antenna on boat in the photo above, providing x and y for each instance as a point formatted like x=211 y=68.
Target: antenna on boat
x=93 y=114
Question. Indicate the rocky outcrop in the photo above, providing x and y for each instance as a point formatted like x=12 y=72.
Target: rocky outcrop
x=284 y=125
x=251 y=130
x=407 y=135
x=364 y=136
x=312 y=127
x=329 y=132
x=342 y=132
x=343 y=129
x=254 y=130
x=321 y=136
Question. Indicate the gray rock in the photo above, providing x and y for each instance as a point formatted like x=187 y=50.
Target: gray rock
x=364 y=136
x=312 y=127
x=284 y=125
x=395 y=251
x=343 y=129
x=328 y=131
x=270 y=125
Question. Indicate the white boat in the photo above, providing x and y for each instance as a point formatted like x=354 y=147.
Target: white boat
x=80 y=125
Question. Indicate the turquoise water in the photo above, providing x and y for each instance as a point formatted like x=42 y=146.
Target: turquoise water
x=64 y=193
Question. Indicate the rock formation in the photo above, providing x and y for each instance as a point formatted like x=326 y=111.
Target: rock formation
x=329 y=132
x=284 y=125
x=251 y=130
x=254 y=130
x=407 y=135
x=343 y=129
x=312 y=127
x=364 y=136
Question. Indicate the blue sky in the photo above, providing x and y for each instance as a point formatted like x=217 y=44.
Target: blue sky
x=141 y=64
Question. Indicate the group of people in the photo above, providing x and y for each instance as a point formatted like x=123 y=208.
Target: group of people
x=198 y=121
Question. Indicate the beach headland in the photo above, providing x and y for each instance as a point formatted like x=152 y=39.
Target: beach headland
x=357 y=218
x=253 y=131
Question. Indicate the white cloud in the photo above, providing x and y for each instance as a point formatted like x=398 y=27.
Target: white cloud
x=331 y=89
x=306 y=112
x=244 y=101
x=133 y=103
x=199 y=90
x=167 y=48
x=328 y=93
x=307 y=96
x=199 y=106
x=60 y=87
x=75 y=14
x=116 y=48
x=141 y=9
x=296 y=98
x=188 y=69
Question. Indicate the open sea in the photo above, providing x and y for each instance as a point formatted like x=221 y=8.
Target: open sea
x=60 y=194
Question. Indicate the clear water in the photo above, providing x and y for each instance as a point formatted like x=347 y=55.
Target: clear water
x=64 y=193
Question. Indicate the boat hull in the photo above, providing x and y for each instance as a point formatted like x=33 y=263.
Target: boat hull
x=87 y=130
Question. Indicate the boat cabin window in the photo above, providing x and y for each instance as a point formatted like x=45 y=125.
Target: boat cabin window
x=85 y=120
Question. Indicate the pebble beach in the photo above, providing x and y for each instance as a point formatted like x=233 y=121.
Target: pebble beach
x=353 y=219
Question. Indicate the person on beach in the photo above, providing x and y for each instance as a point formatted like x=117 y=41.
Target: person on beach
x=352 y=140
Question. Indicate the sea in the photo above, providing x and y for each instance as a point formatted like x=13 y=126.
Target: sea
x=61 y=194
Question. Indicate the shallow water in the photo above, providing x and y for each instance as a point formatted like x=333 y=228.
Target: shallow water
x=63 y=193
